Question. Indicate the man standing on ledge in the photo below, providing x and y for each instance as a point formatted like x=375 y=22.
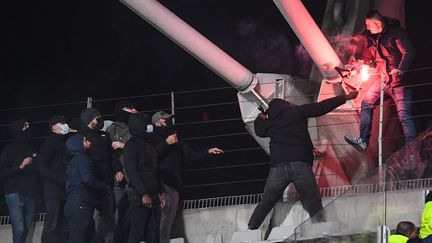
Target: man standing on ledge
x=291 y=153
x=387 y=48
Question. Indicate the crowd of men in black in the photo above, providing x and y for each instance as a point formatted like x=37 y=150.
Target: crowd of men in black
x=118 y=183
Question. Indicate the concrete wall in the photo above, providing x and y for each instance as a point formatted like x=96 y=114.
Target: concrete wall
x=354 y=214
x=225 y=220
x=34 y=235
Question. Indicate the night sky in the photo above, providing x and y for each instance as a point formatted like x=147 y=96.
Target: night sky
x=91 y=46
x=61 y=51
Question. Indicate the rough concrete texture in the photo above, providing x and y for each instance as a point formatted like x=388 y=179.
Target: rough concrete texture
x=356 y=214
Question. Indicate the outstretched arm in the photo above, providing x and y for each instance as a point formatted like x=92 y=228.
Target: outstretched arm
x=325 y=106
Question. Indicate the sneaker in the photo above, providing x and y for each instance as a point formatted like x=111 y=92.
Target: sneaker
x=357 y=143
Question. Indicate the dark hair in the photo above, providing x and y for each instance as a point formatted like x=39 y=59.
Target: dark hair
x=405 y=228
x=428 y=197
x=374 y=14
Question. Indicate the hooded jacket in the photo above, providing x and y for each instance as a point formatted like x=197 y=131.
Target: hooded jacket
x=52 y=161
x=140 y=158
x=24 y=181
x=392 y=45
x=287 y=127
x=81 y=184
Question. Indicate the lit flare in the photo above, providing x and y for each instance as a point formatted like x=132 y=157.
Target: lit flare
x=364 y=73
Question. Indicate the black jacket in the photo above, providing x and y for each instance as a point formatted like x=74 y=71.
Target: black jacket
x=81 y=184
x=393 y=45
x=102 y=155
x=287 y=128
x=52 y=161
x=172 y=159
x=25 y=181
x=140 y=158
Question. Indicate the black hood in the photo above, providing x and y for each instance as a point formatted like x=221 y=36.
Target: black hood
x=277 y=106
x=138 y=124
x=18 y=133
x=123 y=116
x=428 y=197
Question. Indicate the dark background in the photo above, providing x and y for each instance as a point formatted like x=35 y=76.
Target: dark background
x=58 y=51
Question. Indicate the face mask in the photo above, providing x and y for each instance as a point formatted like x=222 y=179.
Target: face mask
x=123 y=116
x=100 y=124
x=26 y=135
x=149 y=129
x=64 y=129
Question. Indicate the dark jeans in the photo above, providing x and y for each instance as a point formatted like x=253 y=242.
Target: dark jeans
x=401 y=96
x=144 y=221
x=21 y=209
x=105 y=218
x=122 y=219
x=54 y=230
x=80 y=222
x=298 y=173
x=168 y=214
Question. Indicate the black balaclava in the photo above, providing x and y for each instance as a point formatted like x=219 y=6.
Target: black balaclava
x=123 y=116
x=167 y=130
x=18 y=133
x=138 y=125
x=100 y=124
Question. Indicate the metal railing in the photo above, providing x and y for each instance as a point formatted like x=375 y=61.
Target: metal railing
x=418 y=184
x=40 y=217
x=221 y=201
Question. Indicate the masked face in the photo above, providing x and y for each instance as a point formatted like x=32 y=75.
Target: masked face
x=64 y=129
x=26 y=134
x=100 y=123
x=124 y=114
x=161 y=122
x=61 y=128
x=21 y=130
x=131 y=110
x=149 y=129
x=26 y=126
